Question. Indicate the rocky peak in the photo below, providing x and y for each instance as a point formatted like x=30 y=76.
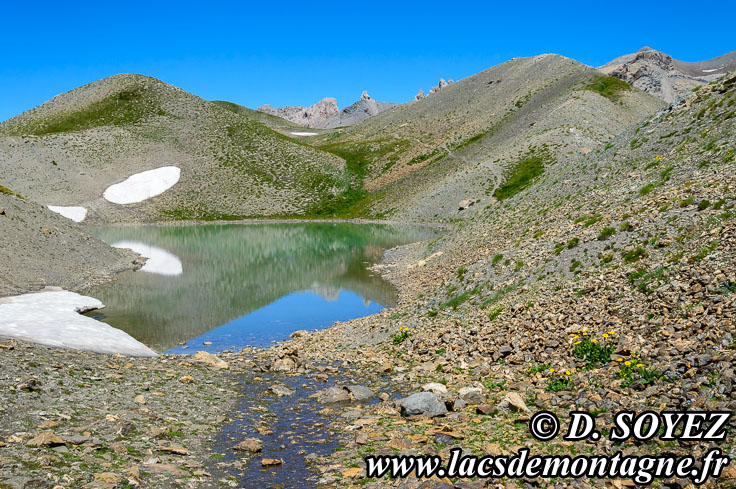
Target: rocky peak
x=420 y=95
x=311 y=116
x=442 y=84
x=365 y=96
x=665 y=77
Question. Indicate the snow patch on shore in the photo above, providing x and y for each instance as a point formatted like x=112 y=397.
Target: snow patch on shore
x=159 y=260
x=142 y=186
x=304 y=133
x=53 y=318
x=76 y=214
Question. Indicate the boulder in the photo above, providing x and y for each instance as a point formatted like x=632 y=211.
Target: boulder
x=252 y=445
x=513 y=402
x=332 y=395
x=435 y=387
x=360 y=393
x=45 y=439
x=285 y=364
x=426 y=403
x=210 y=360
x=472 y=395
x=281 y=390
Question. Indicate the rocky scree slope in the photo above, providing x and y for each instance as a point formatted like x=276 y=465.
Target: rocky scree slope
x=70 y=149
x=608 y=287
x=665 y=77
x=420 y=160
x=39 y=248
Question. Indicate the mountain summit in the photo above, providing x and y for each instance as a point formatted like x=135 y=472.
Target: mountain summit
x=325 y=114
x=665 y=77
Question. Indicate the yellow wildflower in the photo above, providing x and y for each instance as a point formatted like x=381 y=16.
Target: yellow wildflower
x=612 y=332
x=576 y=343
x=594 y=340
x=627 y=363
x=619 y=359
x=639 y=365
x=552 y=370
x=567 y=372
x=605 y=335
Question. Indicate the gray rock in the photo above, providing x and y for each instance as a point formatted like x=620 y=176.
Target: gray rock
x=426 y=403
x=435 y=387
x=472 y=395
x=360 y=393
x=281 y=390
x=332 y=395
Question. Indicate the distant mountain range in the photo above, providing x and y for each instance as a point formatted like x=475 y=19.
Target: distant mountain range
x=325 y=114
x=649 y=70
x=665 y=77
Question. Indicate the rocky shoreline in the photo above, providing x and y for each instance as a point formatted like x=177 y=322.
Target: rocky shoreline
x=77 y=419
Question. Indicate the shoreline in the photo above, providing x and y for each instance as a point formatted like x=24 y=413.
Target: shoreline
x=250 y=221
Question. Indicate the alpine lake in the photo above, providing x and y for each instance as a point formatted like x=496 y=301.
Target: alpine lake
x=227 y=286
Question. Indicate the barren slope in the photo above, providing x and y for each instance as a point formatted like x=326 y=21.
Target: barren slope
x=39 y=248
x=421 y=159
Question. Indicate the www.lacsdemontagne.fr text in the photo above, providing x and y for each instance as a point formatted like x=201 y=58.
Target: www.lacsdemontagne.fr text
x=642 y=469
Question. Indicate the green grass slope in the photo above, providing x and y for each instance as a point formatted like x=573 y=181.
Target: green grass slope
x=68 y=150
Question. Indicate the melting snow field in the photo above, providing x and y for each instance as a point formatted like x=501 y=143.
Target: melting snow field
x=304 y=133
x=142 y=186
x=76 y=214
x=159 y=260
x=52 y=318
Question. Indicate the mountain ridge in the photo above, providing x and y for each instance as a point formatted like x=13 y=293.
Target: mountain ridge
x=661 y=75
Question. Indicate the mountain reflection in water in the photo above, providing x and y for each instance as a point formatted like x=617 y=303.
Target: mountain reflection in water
x=231 y=270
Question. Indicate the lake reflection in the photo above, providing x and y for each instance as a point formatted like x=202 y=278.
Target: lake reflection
x=255 y=283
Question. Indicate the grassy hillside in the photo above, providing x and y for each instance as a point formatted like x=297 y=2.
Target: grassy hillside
x=68 y=150
x=419 y=160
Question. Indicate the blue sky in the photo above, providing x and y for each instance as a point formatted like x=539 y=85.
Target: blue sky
x=299 y=52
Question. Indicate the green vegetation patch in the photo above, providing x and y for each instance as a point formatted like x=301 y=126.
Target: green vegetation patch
x=354 y=200
x=522 y=175
x=124 y=107
x=459 y=299
x=7 y=191
x=608 y=86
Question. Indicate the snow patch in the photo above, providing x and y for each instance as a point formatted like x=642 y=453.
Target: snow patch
x=159 y=261
x=304 y=133
x=52 y=318
x=76 y=214
x=710 y=71
x=142 y=186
